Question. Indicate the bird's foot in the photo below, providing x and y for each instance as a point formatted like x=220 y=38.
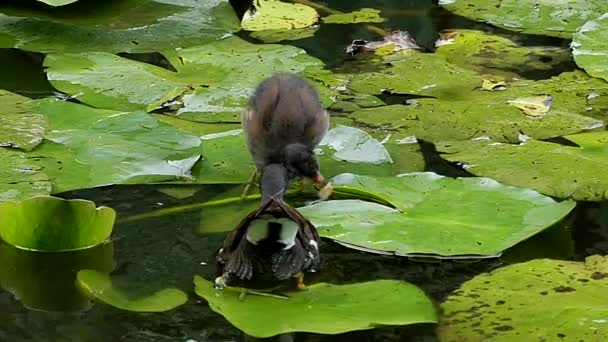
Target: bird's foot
x=219 y=283
x=300 y=281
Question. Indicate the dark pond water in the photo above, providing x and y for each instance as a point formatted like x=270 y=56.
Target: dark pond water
x=169 y=250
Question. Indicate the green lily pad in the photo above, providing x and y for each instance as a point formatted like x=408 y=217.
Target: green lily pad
x=88 y=147
x=58 y=2
x=100 y=286
x=499 y=56
x=277 y=15
x=568 y=303
x=213 y=82
x=552 y=169
x=21 y=124
x=589 y=48
x=46 y=223
x=322 y=308
x=364 y=15
x=20 y=177
x=118 y=26
x=275 y=36
x=433 y=215
x=550 y=18
x=489 y=114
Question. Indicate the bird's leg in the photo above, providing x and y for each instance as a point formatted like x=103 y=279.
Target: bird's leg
x=220 y=283
x=300 y=279
x=248 y=185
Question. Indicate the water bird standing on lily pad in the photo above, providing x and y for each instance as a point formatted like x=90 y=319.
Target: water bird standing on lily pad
x=275 y=242
x=283 y=124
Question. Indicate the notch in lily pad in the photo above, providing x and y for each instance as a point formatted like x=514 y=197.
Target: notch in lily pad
x=100 y=286
x=52 y=224
x=321 y=308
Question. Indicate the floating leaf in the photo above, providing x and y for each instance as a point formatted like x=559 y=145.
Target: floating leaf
x=488 y=114
x=46 y=223
x=89 y=147
x=533 y=105
x=364 y=15
x=568 y=302
x=118 y=26
x=20 y=177
x=21 y=124
x=553 y=169
x=322 y=308
x=551 y=18
x=492 y=85
x=275 y=36
x=100 y=286
x=434 y=215
x=58 y=2
x=213 y=82
x=277 y=15
x=589 y=47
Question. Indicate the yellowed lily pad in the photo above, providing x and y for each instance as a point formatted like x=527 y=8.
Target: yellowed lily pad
x=533 y=105
x=364 y=15
x=274 y=14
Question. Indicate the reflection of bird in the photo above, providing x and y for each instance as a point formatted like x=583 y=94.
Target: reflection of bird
x=283 y=124
x=275 y=242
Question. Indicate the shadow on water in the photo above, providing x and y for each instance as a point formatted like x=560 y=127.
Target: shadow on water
x=169 y=250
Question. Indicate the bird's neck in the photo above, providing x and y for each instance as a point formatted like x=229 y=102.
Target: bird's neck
x=273 y=182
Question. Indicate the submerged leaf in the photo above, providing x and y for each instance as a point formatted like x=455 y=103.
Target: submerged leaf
x=589 y=47
x=277 y=15
x=21 y=124
x=100 y=286
x=46 y=223
x=552 y=169
x=322 y=308
x=433 y=215
x=568 y=301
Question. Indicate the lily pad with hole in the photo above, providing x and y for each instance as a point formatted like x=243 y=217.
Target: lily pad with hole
x=428 y=214
x=117 y=26
x=213 y=82
x=87 y=147
x=100 y=286
x=550 y=168
x=499 y=56
x=322 y=308
x=568 y=303
x=550 y=18
x=21 y=124
x=278 y=15
x=46 y=223
x=20 y=177
x=589 y=47
x=483 y=114
x=363 y=15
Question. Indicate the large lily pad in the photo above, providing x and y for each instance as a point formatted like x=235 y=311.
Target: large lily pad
x=485 y=113
x=278 y=15
x=568 y=304
x=89 y=147
x=546 y=17
x=550 y=168
x=499 y=56
x=589 y=47
x=433 y=215
x=213 y=82
x=100 y=285
x=47 y=223
x=322 y=308
x=117 y=26
x=21 y=124
x=20 y=177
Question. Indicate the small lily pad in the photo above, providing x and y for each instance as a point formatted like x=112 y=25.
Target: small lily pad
x=21 y=124
x=100 y=286
x=533 y=105
x=568 y=300
x=322 y=308
x=277 y=15
x=425 y=213
x=364 y=15
x=46 y=223
x=589 y=47
x=550 y=168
